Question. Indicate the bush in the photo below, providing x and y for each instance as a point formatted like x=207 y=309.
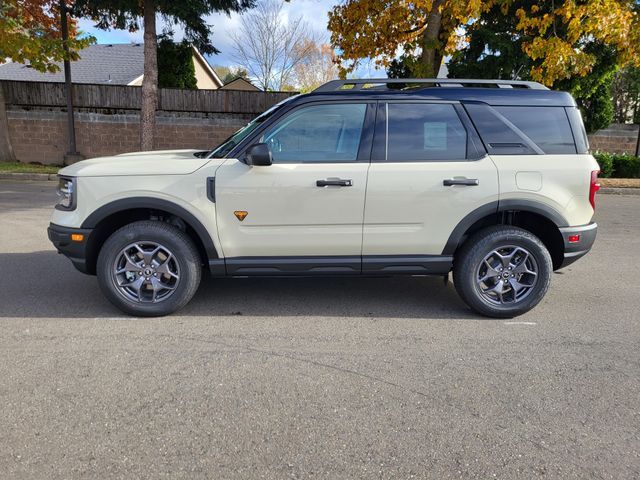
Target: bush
x=618 y=165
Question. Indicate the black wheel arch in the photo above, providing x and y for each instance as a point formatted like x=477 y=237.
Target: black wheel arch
x=111 y=216
x=540 y=219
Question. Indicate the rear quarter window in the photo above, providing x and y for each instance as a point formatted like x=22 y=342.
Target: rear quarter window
x=547 y=127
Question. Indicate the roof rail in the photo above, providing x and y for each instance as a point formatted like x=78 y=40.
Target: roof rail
x=383 y=83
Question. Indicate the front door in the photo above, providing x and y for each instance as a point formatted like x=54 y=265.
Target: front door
x=304 y=213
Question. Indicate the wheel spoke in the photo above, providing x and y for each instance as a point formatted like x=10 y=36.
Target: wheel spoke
x=129 y=266
x=135 y=284
x=523 y=269
x=498 y=289
x=164 y=267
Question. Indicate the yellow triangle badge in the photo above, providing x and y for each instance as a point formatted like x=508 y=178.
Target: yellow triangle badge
x=241 y=214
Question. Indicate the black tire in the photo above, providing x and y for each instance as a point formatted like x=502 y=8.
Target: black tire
x=469 y=269
x=184 y=276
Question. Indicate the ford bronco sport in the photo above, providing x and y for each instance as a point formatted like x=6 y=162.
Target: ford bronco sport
x=489 y=179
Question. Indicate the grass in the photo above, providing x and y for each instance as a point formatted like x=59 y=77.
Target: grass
x=17 y=167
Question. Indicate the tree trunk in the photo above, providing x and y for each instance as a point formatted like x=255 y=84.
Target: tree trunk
x=6 y=150
x=150 y=79
x=432 y=50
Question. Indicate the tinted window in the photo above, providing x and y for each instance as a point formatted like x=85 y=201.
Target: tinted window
x=424 y=132
x=498 y=136
x=318 y=133
x=577 y=127
x=548 y=127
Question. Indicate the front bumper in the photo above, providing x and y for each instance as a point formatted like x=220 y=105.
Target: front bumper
x=76 y=251
x=573 y=250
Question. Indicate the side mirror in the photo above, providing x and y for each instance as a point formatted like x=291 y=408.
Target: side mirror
x=259 y=154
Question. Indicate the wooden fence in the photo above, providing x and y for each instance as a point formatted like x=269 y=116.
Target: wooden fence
x=50 y=94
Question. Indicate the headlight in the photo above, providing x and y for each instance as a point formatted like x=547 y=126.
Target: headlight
x=66 y=193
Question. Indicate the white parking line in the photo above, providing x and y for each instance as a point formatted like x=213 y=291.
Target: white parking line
x=520 y=323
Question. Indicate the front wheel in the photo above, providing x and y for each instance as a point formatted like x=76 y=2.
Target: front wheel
x=502 y=271
x=149 y=269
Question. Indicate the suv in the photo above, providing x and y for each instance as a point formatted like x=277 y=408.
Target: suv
x=489 y=179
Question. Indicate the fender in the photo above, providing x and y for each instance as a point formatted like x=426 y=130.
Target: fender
x=493 y=208
x=156 y=204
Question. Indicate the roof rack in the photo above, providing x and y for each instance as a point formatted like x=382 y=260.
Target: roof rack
x=383 y=84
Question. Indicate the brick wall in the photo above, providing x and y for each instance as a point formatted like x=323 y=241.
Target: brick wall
x=617 y=138
x=40 y=135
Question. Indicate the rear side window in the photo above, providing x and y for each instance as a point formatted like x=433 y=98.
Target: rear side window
x=424 y=132
x=547 y=127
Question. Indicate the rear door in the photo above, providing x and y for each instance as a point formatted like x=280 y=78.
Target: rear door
x=429 y=170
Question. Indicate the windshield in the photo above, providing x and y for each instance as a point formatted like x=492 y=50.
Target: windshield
x=225 y=147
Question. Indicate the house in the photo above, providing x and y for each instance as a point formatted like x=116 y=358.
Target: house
x=240 y=84
x=113 y=64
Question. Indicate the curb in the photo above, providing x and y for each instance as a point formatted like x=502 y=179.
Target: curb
x=41 y=177
x=620 y=191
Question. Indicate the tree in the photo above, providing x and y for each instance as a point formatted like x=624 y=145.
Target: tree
x=270 y=47
x=229 y=74
x=126 y=14
x=175 y=64
x=30 y=33
x=495 y=49
x=560 y=31
x=423 y=29
x=626 y=95
x=316 y=68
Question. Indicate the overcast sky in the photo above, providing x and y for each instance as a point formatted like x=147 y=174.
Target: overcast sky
x=314 y=12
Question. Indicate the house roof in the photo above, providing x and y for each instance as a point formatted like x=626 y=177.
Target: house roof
x=116 y=64
x=239 y=83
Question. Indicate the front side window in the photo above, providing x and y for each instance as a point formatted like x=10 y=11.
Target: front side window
x=317 y=133
x=424 y=132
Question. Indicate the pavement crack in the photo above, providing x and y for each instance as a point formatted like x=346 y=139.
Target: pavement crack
x=315 y=363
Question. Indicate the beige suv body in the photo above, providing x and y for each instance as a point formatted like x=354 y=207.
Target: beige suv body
x=357 y=178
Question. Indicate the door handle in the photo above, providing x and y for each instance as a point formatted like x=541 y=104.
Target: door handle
x=468 y=182
x=338 y=182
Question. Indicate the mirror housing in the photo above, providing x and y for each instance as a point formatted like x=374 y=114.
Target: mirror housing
x=259 y=155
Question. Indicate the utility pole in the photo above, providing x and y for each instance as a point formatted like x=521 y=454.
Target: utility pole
x=72 y=155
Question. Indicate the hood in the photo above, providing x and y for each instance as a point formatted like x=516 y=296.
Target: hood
x=157 y=162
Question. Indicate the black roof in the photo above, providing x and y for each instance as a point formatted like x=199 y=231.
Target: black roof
x=492 y=92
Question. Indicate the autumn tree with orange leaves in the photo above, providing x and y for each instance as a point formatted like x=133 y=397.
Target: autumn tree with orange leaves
x=30 y=33
x=424 y=31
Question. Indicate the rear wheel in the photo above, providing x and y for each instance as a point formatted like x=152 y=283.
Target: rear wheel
x=502 y=271
x=149 y=269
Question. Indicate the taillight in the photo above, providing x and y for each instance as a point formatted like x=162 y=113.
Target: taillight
x=594 y=186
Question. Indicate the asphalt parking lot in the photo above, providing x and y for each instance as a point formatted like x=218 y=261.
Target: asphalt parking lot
x=317 y=378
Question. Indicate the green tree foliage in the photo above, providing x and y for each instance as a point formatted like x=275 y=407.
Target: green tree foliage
x=175 y=65
x=189 y=14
